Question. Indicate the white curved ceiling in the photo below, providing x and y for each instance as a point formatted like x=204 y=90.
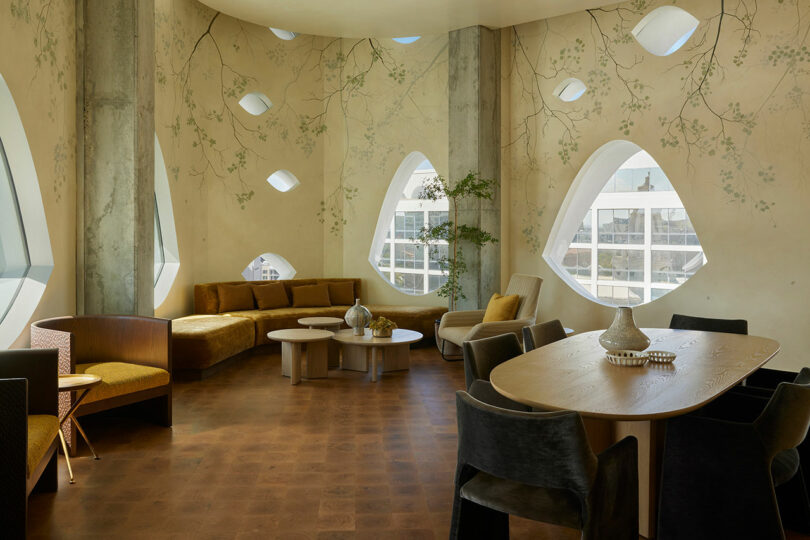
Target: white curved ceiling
x=394 y=18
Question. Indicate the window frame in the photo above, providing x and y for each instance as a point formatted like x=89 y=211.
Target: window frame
x=167 y=232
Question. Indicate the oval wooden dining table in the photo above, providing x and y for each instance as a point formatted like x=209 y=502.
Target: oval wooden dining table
x=574 y=374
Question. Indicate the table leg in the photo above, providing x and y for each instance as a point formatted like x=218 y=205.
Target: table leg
x=67 y=456
x=84 y=436
x=355 y=357
x=317 y=367
x=295 y=364
x=375 y=353
x=396 y=358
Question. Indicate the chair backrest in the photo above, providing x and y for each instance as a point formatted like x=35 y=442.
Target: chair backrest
x=482 y=355
x=727 y=326
x=785 y=421
x=542 y=334
x=39 y=368
x=528 y=288
x=544 y=449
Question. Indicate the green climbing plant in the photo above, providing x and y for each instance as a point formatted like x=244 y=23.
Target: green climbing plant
x=456 y=234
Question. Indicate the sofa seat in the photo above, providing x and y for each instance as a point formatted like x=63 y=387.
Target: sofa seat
x=42 y=430
x=419 y=318
x=200 y=341
x=120 y=378
x=267 y=320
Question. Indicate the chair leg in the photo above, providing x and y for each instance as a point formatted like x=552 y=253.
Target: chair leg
x=794 y=504
x=160 y=410
x=449 y=357
x=475 y=522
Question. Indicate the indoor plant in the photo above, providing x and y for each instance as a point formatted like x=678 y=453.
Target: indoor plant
x=454 y=233
x=382 y=327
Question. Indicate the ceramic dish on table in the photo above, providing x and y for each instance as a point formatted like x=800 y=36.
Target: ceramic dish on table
x=627 y=358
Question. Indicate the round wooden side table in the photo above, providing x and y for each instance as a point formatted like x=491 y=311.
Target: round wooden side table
x=326 y=323
x=393 y=351
x=291 y=341
x=76 y=382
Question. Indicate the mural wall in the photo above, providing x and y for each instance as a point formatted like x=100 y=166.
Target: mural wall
x=41 y=74
x=725 y=117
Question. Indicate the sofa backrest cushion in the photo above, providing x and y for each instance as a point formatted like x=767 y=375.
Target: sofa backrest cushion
x=270 y=296
x=311 y=296
x=341 y=293
x=235 y=297
x=206 y=297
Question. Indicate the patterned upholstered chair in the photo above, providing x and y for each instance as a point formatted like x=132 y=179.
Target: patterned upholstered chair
x=132 y=355
x=29 y=428
x=456 y=327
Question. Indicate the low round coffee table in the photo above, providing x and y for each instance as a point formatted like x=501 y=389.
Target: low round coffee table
x=291 y=341
x=394 y=351
x=326 y=323
x=76 y=382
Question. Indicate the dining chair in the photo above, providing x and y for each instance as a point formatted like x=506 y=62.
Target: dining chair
x=539 y=466
x=727 y=326
x=719 y=477
x=542 y=334
x=481 y=356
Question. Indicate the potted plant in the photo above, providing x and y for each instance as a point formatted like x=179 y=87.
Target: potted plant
x=382 y=327
x=454 y=233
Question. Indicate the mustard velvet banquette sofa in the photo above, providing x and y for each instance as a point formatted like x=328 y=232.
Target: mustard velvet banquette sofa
x=235 y=316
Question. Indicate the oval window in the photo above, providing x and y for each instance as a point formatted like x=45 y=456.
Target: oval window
x=268 y=267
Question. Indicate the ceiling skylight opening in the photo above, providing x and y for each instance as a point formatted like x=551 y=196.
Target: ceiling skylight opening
x=255 y=103
x=286 y=35
x=283 y=180
x=406 y=40
x=665 y=30
x=570 y=89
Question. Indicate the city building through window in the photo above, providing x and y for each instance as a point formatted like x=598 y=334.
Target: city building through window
x=397 y=253
x=268 y=267
x=635 y=242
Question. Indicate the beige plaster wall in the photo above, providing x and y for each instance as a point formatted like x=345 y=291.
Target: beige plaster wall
x=39 y=66
x=751 y=219
x=218 y=156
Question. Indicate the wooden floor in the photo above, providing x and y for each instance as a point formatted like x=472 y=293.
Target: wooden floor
x=251 y=456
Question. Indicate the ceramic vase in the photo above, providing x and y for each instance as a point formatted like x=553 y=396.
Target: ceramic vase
x=358 y=318
x=623 y=334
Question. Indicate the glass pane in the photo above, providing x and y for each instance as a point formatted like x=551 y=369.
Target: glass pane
x=410 y=283
x=434 y=282
x=436 y=218
x=621 y=226
x=438 y=253
x=619 y=295
x=583 y=234
x=621 y=265
x=675 y=266
x=160 y=258
x=409 y=256
x=577 y=262
x=14 y=260
x=408 y=224
x=385 y=256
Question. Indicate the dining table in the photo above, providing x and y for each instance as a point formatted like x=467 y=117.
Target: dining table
x=616 y=401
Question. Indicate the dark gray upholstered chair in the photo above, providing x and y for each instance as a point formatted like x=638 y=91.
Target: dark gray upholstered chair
x=539 y=465
x=28 y=432
x=718 y=476
x=481 y=356
x=542 y=334
x=727 y=326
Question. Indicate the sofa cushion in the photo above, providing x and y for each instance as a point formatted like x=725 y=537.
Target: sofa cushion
x=200 y=341
x=310 y=296
x=341 y=293
x=501 y=308
x=270 y=296
x=42 y=430
x=233 y=297
x=120 y=378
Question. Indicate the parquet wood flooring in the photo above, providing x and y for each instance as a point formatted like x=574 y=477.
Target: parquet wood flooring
x=251 y=456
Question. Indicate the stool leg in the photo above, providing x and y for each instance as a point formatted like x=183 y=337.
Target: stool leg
x=374 y=356
x=84 y=436
x=67 y=457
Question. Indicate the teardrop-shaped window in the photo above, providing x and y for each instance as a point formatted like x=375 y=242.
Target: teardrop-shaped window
x=623 y=236
x=268 y=267
x=396 y=253
x=167 y=254
x=665 y=30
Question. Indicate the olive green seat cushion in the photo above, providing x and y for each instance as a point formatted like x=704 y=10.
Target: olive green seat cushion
x=121 y=378
x=42 y=430
x=200 y=341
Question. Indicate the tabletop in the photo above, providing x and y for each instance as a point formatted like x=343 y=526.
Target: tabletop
x=300 y=335
x=320 y=321
x=399 y=336
x=574 y=374
x=77 y=381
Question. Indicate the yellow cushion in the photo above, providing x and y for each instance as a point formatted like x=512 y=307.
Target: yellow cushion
x=502 y=308
x=120 y=378
x=42 y=430
x=270 y=296
x=234 y=297
x=341 y=293
x=311 y=296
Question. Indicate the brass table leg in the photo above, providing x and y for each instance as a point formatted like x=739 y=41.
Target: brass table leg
x=67 y=457
x=84 y=436
x=67 y=418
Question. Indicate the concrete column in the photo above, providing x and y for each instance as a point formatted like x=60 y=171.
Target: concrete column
x=115 y=155
x=475 y=145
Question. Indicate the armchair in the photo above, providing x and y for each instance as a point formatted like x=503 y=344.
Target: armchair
x=456 y=327
x=29 y=426
x=132 y=355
